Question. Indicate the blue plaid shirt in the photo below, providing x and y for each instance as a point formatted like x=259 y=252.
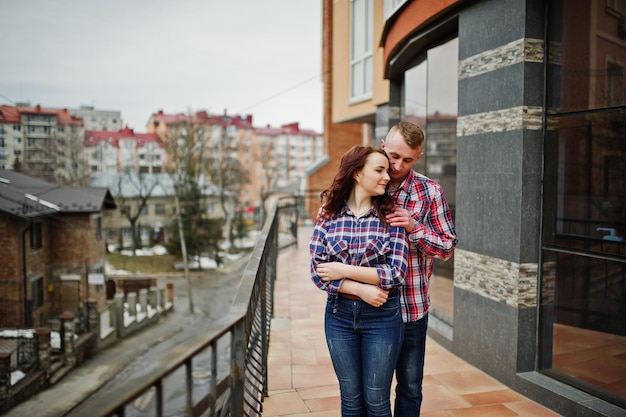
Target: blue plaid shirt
x=360 y=241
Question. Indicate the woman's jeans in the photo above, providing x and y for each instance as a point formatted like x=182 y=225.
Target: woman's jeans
x=364 y=343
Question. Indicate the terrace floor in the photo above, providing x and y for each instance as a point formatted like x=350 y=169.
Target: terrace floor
x=301 y=379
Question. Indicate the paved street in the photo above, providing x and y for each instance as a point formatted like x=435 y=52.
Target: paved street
x=213 y=292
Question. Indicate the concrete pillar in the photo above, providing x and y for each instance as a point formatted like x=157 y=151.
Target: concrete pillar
x=153 y=296
x=118 y=301
x=162 y=298
x=143 y=300
x=170 y=292
x=44 y=351
x=67 y=340
x=131 y=300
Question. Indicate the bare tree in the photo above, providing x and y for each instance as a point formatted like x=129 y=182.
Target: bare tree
x=269 y=174
x=227 y=173
x=133 y=193
x=70 y=167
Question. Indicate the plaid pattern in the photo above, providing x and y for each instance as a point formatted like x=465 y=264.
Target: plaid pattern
x=433 y=237
x=359 y=242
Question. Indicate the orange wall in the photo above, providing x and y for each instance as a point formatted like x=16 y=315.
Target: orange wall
x=414 y=15
x=343 y=111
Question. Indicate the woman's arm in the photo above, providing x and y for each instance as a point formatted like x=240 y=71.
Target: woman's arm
x=387 y=275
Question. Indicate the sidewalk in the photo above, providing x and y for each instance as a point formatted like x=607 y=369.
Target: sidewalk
x=302 y=381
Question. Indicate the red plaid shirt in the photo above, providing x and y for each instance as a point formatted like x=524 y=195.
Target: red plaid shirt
x=432 y=237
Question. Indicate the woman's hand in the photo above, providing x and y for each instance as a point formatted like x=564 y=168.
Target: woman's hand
x=401 y=218
x=331 y=271
x=372 y=295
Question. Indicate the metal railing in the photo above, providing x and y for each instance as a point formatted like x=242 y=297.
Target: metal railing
x=240 y=338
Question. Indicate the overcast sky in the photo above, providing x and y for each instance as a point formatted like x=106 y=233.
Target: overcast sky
x=258 y=57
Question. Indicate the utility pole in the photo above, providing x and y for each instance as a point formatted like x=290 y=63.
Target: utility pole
x=183 y=247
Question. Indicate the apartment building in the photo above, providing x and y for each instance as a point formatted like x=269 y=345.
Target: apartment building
x=96 y=120
x=42 y=142
x=289 y=151
x=124 y=151
x=271 y=158
x=534 y=167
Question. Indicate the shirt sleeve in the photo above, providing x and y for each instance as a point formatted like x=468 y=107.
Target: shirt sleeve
x=319 y=254
x=393 y=272
x=436 y=236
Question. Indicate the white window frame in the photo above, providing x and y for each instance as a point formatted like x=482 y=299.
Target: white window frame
x=390 y=7
x=361 y=49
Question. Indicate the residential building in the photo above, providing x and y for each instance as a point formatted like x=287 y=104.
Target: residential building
x=44 y=143
x=270 y=157
x=534 y=171
x=284 y=154
x=93 y=119
x=52 y=241
x=128 y=190
x=124 y=151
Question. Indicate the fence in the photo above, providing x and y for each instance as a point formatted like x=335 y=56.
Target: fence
x=243 y=333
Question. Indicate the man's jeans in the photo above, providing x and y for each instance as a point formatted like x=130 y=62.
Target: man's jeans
x=364 y=343
x=410 y=369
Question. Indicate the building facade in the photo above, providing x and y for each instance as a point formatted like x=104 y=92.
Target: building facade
x=124 y=151
x=523 y=104
x=44 y=143
x=93 y=119
x=52 y=241
x=270 y=158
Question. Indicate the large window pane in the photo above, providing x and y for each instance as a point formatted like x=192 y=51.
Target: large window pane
x=430 y=99
x=584 y=323
x=587 y=55
x=583 y=274
x=588 y=198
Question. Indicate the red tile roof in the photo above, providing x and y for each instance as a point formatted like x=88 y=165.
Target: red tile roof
x=93 y=137
x=13 y=114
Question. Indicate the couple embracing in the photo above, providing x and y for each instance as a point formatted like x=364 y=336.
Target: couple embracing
x=380 y=227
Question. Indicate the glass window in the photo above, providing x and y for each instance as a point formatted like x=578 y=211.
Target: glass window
x=583 y=274
x=361 y=51
x=430 y=99
x=391 y=6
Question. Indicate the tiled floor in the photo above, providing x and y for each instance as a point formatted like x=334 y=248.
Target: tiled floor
x=302 y=381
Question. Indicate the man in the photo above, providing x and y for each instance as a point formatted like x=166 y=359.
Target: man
x=425 y=215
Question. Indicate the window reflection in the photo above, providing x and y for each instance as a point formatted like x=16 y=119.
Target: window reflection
x=583 y=287
x=430 y=99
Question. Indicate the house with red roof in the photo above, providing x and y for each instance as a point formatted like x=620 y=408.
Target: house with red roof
x=124 y=151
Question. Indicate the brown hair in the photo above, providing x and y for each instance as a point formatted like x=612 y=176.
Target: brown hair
x=412 y=133
x=334 y=196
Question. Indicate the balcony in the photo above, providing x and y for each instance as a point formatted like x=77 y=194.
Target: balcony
x=282 y=371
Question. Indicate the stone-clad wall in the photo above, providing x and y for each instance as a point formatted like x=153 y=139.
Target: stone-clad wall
x=502 y=281
x=499 y=162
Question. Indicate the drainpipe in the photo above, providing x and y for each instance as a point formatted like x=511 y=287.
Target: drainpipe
x=27 y=317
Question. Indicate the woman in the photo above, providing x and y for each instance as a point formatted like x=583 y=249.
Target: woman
x=360 y=261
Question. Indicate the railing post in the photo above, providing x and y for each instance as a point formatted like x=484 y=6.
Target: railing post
x=238 y=357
